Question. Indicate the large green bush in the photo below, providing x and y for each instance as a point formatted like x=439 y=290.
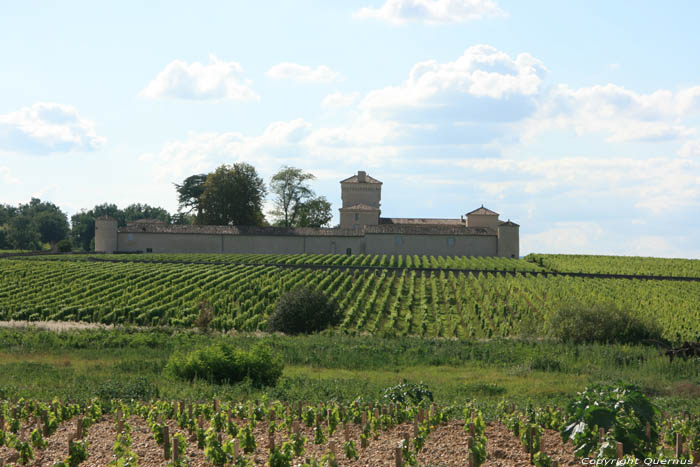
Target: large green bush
x=601 y=323
x=223 y=363
x=303 y=311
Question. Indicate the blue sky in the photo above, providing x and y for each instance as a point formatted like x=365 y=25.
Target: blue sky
x=578 y=120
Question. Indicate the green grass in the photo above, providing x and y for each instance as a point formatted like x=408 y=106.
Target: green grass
x=79 y=365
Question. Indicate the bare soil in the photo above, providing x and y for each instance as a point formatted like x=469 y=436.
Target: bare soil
x=446 y=446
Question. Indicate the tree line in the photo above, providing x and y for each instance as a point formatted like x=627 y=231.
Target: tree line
x=230 y=195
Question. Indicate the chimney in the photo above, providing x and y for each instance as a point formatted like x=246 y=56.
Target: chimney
x=361 y=176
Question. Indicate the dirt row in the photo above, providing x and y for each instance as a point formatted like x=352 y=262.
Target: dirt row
x=446 y=446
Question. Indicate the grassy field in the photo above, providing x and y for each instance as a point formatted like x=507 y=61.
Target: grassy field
x=78 y=365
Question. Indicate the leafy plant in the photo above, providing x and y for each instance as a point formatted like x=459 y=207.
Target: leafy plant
x=350 y=450
x=623 y=410
x=405 y=393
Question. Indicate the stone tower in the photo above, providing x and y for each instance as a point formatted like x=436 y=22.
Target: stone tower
x=106 y=234
x=361 y=195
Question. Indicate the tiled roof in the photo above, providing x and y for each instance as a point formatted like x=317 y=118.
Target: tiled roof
x=434 y=229
x=146 y=221
x=239 y=230
x=509 y=223
x=360 y=207
x=482 y=211
x=354 y=179
x=419 y=221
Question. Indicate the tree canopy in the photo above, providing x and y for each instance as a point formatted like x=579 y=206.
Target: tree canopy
x=233 y=195
x=189 y=194
x=296 y=204
x=83 y=223
x=28 y=226
x=315 y=212
x=290 y=189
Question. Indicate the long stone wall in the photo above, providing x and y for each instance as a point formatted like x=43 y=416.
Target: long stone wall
x=442 y=245
x=224 y=243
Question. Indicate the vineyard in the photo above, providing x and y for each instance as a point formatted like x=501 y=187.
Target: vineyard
x=404 y=301
x=351 y=261
x=403 y=429
x=628 y=265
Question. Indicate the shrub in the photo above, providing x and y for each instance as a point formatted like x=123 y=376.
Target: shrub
x=222 y=363
x=406 y=392
x=601 y=323
x=64 y=246
x=303 y=311
x=205 y=315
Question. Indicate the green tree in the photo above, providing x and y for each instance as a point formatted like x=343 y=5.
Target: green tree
x=22 y=233
x=136 y=211
x=233 y=195
x=295 y=202
x=315 y=212
x=189 y=194
x=83 y=223
x=52 y=226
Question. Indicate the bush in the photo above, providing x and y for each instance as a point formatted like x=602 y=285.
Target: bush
x=64 y=246
x=303 y=311
x=222 y=363
x=406 y=392
x=601 y=323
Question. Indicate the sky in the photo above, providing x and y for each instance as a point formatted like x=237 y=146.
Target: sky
x=579 y=120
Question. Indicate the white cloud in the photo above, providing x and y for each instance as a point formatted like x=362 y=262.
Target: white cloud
x=216 y=80
x=338 y=99
x=47 y=127
x=203 y=152
x=303 y=73
x=431 y=11
x=622 y=114
x=7 y=177
x=690 y=149
x=564 y=237
x=484 y=84
x=656 y=184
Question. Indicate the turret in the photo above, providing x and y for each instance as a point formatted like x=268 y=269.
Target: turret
x=509 y=239
x=106 y=234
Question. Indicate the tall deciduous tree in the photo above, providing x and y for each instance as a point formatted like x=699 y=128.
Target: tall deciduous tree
x=315 y=212
x=52 y=226
x=189 y=194
x=233 y=195
x=291 y=191
x=136 y=211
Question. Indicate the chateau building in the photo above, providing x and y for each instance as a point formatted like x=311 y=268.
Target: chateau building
x=361 y=230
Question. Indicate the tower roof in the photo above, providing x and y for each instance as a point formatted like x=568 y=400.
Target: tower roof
x=482 y=211
x=361 y=177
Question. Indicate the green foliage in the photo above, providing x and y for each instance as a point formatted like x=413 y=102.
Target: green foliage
x=408 y=393
x=37 y=440
x=601 y=323
x=233 y=195
x=622 y=410
x=290 y=190
x=77 y=452
x=189 y=193
x=223 y=363
x=65 y=245
x=315 y=212
x=350 y=450
x=248 y=443
x=304 y=310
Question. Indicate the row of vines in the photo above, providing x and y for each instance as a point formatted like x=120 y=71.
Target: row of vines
x=626 y=265
x=487 y=263
x=405 y=302
x=615 y=423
